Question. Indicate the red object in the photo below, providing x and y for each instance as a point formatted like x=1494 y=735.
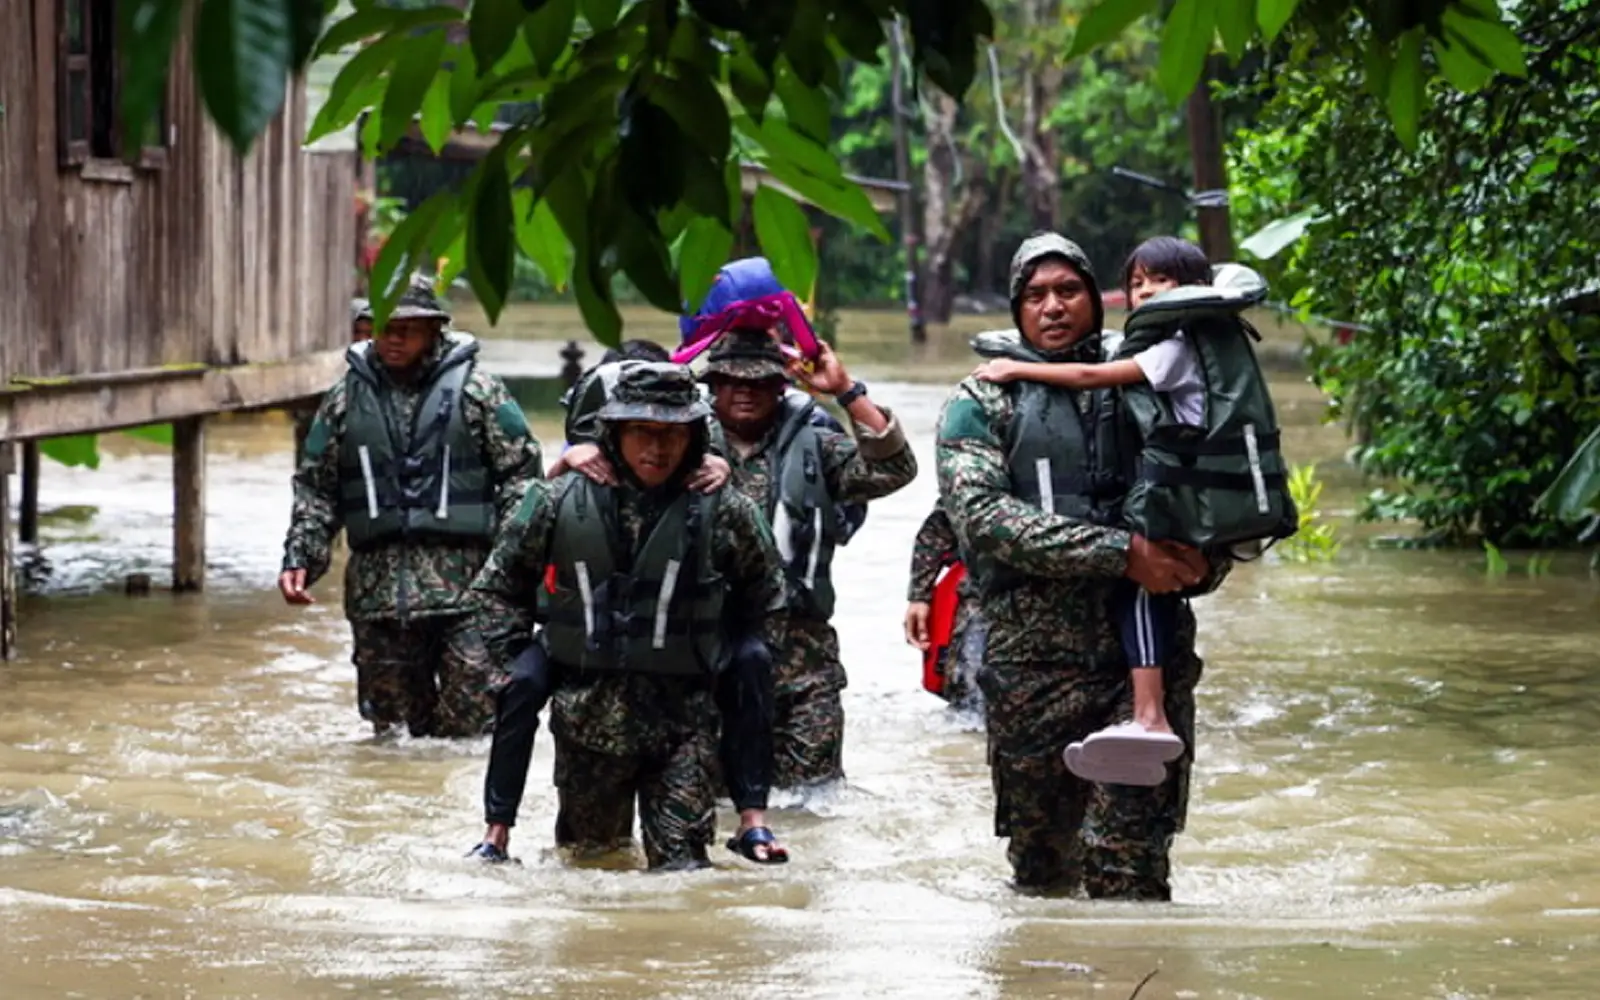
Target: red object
x=941 y=623
x=550 y=578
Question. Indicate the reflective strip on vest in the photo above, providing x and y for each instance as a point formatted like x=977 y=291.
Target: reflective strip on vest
x=1263 y=505
x=587 y=592
x=1047 y=489
x=669 y=583
x=372 y=487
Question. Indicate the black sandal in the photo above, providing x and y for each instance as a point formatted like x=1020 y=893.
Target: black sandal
x=745 y=845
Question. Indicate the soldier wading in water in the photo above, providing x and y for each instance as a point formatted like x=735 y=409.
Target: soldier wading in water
x=1031 y=477
x=418 y=456
x=640 y=584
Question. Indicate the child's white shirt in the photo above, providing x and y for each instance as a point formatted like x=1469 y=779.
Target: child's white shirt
x=1173 y=367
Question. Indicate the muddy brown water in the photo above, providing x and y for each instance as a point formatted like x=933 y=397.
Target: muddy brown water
x=1395 y=798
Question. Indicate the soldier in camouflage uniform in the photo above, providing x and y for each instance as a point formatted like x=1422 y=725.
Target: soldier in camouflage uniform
x=417 y=455
x=935 y=548
x=1009 y=455
x=645 y=582
x=799 y=474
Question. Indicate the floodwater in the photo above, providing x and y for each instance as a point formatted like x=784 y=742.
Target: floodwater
x=1395 y=794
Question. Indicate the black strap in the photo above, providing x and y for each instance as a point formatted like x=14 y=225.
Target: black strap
x=1173 y=475
x=1182 y=444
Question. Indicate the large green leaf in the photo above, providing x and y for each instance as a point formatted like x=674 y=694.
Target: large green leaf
x=548 y=30
x=306 y=18
x=73 y=451
x=403 y=252
x=1272 y=15
x=1236 y=22
x=785 y=236
x=1406 y=88
x=540 y=237
x=1576 y=492
x=1271 y=239
x=1459 y=66
x=436 y=122
x=359 y=84
x=153 y=433
x=601 y=14
x=242 y=51
x=414 y=73
x=1490 y=41
x=784 y=143
x=1107 y=20
x=491 y=261
x=843 y=198
x=702 y=250
x=492 y=29
x=1185 y=43
x=806 y=107
x=148 y=29
x=698 y=108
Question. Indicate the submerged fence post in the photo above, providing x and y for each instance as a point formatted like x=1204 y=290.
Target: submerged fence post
x=8 y=581
x=28 y=516
x=189 y=504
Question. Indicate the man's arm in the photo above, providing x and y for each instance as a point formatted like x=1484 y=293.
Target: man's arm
x=872 y=465
x=506 y=590
x=314 y=519
x=509 y=448
x=933 y=550
x=975 y=491
x=751 y=568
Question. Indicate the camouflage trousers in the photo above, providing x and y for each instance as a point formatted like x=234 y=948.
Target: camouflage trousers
x=676 y=800
x=808 y=713
x=1065 y=834
x=432 y=674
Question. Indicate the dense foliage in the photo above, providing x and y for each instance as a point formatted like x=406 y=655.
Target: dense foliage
x=1469 y=262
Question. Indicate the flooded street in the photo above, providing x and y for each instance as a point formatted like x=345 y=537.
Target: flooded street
x=1394 y=796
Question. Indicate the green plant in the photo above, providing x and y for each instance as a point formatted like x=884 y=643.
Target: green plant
x=1315 y=541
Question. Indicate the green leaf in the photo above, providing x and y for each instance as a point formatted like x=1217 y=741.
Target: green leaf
x=548 y=32
x=1269 y=240
x=305 y=25
x=784 y=143
x=1490 y=40
x=1405 y=88
x=1576 y=492
x=1107 y=20
x=403 y=252
x=241 y=54
x=154 y=433
x=698 y=108
x=73 y=451
x=702 y=250
x=540 y=237
x=358 y=85
x=147 y=30
x=1459 y=66
x=1379 y=66
x=490 y=231
x=369 y=21
x=1236 y=22
x=601 y=14
x=785 y=236
x=492 y=29
x=750 y=83
x=1185 y=43
x=806 y=107
x=415 y=72
x=842 y=199
x=1272 y=15
x=436 y=121
x=645 y=261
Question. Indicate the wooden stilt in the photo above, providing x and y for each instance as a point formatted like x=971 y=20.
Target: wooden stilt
x=8 y=582
x=28 y=515
x=189 y=504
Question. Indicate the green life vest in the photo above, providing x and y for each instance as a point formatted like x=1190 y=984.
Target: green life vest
x=801 y=510
x=1066 y=451
x=424 y=480
x=654 y=610
x=1224 y=483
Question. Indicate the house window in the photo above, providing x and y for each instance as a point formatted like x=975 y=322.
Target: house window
x=90 y=112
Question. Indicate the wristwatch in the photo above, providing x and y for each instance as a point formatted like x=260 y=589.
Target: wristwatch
x=850 y=395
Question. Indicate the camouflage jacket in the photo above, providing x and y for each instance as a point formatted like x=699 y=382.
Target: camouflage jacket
x=935 y=548
x=627 y=713
x=400 y=580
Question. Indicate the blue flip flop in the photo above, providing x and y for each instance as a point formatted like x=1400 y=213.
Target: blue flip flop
x=745 y=845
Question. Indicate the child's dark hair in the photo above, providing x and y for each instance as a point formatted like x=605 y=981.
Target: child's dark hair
x=636 y=350
x=1168 y=257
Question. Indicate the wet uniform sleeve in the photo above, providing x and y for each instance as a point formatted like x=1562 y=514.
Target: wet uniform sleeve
x=933 y=550
x=509 y=448
x=747 y=557
x=975 y=490
x=506 y=590
x=870 y=465
x=314 y=520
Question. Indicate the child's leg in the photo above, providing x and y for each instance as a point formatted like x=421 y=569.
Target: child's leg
x=1145 y=622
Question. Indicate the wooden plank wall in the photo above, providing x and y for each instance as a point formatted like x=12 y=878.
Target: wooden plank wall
x=212 y=259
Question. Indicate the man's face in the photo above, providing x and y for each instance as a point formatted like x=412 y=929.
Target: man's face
x=360 y=330
x=1057 y=307
x=742 y=403
x=404 y=342
x=653 y=451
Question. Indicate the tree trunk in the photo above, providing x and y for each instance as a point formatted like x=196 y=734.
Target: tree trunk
x=949 y=209
x=1041 y=83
